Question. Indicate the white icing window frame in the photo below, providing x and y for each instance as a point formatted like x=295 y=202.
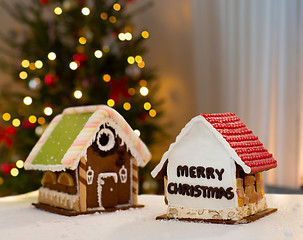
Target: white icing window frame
x=111 y=139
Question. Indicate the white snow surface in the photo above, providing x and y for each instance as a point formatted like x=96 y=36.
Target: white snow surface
x=20 y=220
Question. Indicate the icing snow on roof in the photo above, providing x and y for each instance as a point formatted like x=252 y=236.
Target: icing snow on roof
x=69 y=134
x=247 y=146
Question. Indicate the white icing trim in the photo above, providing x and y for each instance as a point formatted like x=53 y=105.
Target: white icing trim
x=185 y=130
x=100 y=182
x=111 y=140
x=89 y=175
x=64 y=197
x=123 y=174
x=54 y=168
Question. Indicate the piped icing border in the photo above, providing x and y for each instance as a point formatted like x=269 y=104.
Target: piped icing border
x=101 y=114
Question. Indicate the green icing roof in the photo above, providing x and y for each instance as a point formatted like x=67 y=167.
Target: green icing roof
x=61 y=138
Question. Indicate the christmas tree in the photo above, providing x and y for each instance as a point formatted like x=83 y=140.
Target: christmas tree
x=71 y=53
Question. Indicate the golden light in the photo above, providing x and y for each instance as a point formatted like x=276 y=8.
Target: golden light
x=128 y=36
x=145 y=34
x=23 y=75
x=6 y=117
x=143 y=91
x=126 y=106
x=137 y=132
x=138 y=59
x=103 y=16
x=48 y=111
x=19 y=164
x=117 y=7
x=106 y=48
x=152 y=113
x=25 y=63
x=85 y=11
x=14 y=172
x=98 y=54
x=27 y=100
x=121 y=36
x=78 y=94
x=58 y=11
x=110 y=102
x=41 y=120
x=143 y=83
x=73 y=65
x=32 y=119
x=51 y=56
x=106 y=77
x=131 y=60
x=141 y=64
x=32 y=66
x=38 y=64
x=1 y=181
x=131 y=91
x=16 y=122
x=82 y=40
x=147 y=106
x=112 y=19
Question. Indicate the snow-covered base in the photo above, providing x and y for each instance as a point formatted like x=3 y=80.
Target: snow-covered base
x=20 y=220
x=226 y=214
x=59 y=199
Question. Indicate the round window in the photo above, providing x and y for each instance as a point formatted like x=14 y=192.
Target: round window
x=106 y=139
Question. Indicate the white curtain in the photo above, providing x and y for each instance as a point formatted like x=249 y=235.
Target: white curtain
x=249 y=60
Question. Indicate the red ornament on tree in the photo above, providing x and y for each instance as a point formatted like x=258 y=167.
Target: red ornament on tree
x=28 y=124
x=118 y=88
x=6 y=135
x=50 y=79
x=44 y=2
x=6 y=168
x=80 y=58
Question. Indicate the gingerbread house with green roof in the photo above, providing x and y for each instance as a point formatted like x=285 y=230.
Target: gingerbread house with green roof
x=90 y=157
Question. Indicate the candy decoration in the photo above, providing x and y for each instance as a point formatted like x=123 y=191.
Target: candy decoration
x=66 y=179
x=82 y=184
x=246 y=145
x=49 y=177
x=135 y=181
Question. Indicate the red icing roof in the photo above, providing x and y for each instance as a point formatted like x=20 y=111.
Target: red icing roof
x=242 y=140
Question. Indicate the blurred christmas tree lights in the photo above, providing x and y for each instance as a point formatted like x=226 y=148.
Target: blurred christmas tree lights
x=72 y=52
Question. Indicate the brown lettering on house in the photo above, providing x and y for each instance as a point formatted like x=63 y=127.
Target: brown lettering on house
x=200 y=172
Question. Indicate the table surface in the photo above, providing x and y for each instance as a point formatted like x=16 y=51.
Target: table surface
x=20 y=220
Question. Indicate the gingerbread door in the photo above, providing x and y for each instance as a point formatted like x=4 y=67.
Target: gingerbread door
x=107 y=190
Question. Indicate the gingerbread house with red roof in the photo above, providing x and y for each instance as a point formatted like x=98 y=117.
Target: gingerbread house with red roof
x=213 y=171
